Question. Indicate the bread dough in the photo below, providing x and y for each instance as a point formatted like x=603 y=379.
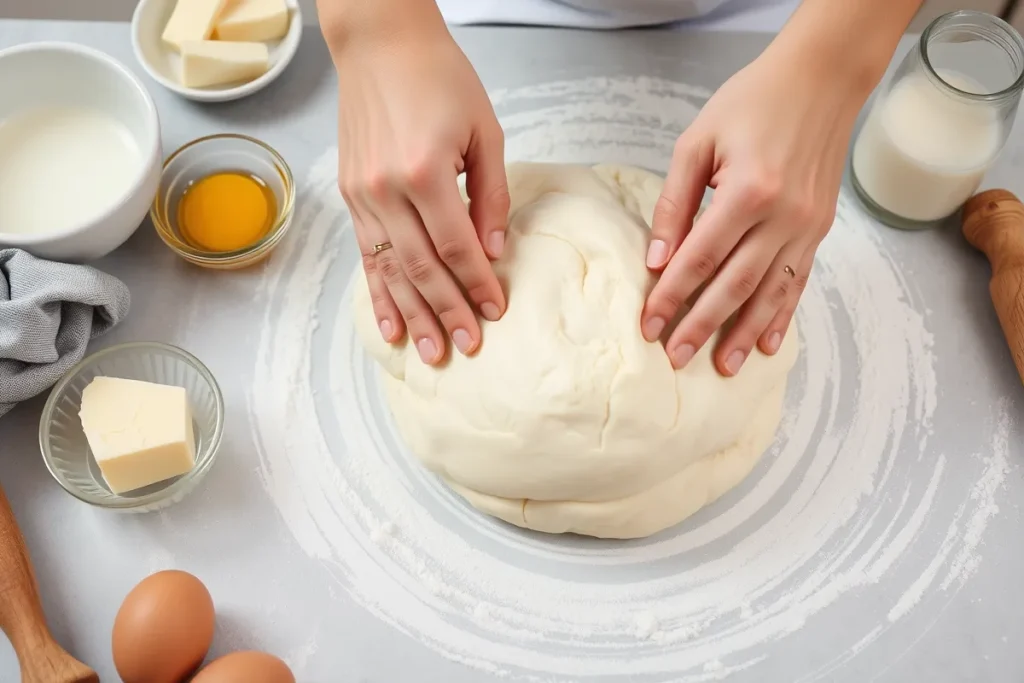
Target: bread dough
x=566 y=420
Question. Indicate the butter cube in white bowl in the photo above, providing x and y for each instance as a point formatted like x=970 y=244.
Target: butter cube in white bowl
x=215 y=50
x=133 y=427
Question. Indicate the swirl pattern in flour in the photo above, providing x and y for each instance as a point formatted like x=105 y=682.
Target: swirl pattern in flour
x=852 y=506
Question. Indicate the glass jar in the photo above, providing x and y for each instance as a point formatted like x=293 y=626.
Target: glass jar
x=941 y=121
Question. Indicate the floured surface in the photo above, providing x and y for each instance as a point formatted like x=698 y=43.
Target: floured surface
x=853 y=531
x=862 y=547
x=567 y=420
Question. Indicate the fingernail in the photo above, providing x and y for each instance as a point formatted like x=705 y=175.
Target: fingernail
x=496 y=243
x=386 y=330
x=774 y=342
x=427 y=349
x=463 y=342
x=656 y=254
x=653 y=328
x=734 y=361
x=682 y=355
x=490 y=311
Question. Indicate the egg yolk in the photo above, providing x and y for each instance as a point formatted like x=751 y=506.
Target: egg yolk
x=226 y=211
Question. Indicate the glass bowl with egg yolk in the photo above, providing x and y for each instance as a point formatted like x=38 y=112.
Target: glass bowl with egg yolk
x=225 y=201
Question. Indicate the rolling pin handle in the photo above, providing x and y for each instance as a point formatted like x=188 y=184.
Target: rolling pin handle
x=42 y=660
x=993 y=222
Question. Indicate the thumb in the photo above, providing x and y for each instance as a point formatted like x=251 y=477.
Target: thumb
x=688 y=176
x=487 y=188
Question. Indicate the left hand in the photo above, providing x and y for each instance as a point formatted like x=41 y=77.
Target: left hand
x=772 y=143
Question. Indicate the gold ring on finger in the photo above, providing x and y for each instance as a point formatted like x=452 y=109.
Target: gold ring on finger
x=789 y=271
x=380 y=246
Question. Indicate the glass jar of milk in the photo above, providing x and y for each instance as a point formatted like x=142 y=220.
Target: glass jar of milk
x=941 y=121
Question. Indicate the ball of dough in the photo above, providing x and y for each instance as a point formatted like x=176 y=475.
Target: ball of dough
x=567 y=420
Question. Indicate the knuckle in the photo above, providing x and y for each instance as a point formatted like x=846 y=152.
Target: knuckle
x=380 y=300
x=702 y=265
x=743 y=284
x=377 y=185
x=500 y=199
x=418 y=321
x=445 y=310
x=665 y=209
x=345 y=189
x=779 y=291
x=370 y=265
x=418 y=172
x=760 y=192
x=800 y=283
x=700 y=329
x=668 y=302
x=419 y=269
x=390 y=269
x=683 y=147
x=453 y=252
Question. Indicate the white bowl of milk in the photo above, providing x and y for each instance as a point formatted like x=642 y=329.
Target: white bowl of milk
x=80 y=152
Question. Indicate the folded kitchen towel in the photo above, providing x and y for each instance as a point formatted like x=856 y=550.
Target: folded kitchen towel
x=48 y=313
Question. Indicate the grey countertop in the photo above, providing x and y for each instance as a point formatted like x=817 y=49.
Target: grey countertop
x=918 y=448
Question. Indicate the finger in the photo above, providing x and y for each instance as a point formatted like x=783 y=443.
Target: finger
x=456 y=243
x=771 y=340
x=759 y=311
x=736 y=282
x=713 y=237
x=389 y=318
x=487 y=187
x=422 y=325
x=688 y=176
x=423 y=269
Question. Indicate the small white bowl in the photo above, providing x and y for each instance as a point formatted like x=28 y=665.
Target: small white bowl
x=47 y=74
x=163 y=64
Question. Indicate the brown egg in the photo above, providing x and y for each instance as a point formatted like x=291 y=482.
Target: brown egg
x=164 y=629
x=245 y=667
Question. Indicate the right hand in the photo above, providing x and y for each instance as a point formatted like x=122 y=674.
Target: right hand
x=412 y=116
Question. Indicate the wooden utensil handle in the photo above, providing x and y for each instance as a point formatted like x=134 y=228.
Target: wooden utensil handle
x=21 y=613
x=41 y=659
x=993 y=221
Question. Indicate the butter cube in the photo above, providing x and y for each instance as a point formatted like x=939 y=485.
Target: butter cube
x=206 y=63
x=140 y=433
x=253 y=21
x=192 y=20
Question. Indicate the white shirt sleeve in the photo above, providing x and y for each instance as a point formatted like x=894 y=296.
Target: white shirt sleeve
x=737 y=15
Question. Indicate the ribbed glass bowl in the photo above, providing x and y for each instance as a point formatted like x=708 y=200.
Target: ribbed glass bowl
x=66 y=450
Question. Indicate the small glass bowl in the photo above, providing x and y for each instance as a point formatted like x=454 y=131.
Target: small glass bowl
x=224 y=152
x=66 y=450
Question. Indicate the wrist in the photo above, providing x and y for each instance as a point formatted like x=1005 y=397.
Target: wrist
x=344 y=22
x=848 y=44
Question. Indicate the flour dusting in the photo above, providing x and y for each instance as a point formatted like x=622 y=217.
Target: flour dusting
x=854 y=504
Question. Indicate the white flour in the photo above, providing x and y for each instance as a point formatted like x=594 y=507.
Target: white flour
x=832 y=519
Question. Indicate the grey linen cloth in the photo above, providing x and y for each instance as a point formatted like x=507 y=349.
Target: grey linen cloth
x=48 y=313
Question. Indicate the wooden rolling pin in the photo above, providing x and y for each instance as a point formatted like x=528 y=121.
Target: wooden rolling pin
x=993 y=221
x=41 y=659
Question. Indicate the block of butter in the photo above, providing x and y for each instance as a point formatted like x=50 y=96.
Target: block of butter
x=206 y=63
x=192 y=20
x=140 y=433
x=252 y=21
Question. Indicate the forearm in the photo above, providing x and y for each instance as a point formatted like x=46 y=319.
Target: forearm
x=388 y=20
x=846 y=41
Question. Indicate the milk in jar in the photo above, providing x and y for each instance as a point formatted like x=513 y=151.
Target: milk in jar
x=935 y=130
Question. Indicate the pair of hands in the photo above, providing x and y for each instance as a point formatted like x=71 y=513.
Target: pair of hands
x=414 y=116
